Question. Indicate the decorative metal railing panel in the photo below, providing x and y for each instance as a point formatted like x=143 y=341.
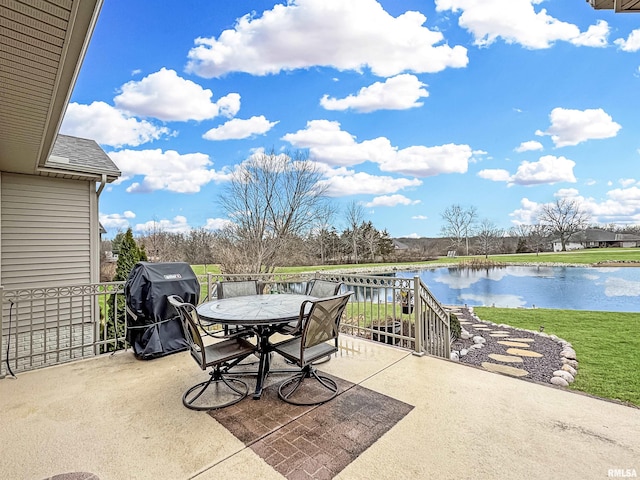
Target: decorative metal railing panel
x=52 y=325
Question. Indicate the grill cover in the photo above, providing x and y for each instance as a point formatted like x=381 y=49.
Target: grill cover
x=154 y=328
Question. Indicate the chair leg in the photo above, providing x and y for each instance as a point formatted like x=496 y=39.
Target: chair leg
x=289 y=387
x=235 y=389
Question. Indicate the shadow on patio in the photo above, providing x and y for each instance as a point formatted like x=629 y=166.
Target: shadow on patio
x=399 y=416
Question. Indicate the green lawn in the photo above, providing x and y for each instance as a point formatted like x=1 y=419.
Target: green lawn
x=582 y=257
x=607 y=345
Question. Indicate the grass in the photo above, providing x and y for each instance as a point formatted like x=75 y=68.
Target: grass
x=606 y=343
x=579 y=257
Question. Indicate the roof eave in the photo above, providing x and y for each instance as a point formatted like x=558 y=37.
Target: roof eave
x=85 y=16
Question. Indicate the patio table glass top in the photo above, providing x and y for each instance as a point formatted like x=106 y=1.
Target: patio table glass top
x=254 y=309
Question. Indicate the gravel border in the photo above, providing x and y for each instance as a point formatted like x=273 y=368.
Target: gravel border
x=540 y=369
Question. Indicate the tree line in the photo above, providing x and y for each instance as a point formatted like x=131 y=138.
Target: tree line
x=280 y=215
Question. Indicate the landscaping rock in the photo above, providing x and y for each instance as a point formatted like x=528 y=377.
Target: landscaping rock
x=478 y=339
x=568 y=368
x=559 y=381
x=565 y=375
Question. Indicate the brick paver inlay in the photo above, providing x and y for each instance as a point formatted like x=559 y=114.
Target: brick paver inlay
x=312 y=442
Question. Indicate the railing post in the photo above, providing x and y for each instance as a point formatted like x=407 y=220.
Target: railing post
x=417 y=317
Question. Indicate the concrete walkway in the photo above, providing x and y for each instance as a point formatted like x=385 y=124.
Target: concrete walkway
x=119 y=418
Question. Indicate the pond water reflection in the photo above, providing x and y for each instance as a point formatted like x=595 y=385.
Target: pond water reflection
x=615 y=289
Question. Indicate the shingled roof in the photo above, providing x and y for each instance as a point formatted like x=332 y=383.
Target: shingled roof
x=82 y=157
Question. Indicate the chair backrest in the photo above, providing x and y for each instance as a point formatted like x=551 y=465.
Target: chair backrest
x=228 y=289
x=322 y=323
x=190 y=324
x=323 y=288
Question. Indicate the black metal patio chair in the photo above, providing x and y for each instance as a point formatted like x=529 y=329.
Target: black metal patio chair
x=319 y=326
x=315 y=288
x=237 y=288
x=219 y=357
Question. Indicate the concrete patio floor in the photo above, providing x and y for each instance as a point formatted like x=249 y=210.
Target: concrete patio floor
x=120 y=418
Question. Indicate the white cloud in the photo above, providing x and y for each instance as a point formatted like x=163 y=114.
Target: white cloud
x=412 y=235
x=621 y=207
x=237 y=129
x=429 y=161
x=571 y=127
x=364 y=183
x=627 y=182
x=217 y=223
x=419 y=217
x=631 y=44
x=529 y=146
x=547 y=170
x=516 y=21
x=177 y=225
x=391 y=201
x=344 y=35
x=527 y=214
x=116 y=220
x=396 y=93
x=327 y=143
x=495 y=174
x=108 y=126
x=167 y=170
x=167 y=96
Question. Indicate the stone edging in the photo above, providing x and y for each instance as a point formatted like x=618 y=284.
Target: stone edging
x=562 y=377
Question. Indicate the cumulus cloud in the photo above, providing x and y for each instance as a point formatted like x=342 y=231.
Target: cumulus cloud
x=108 y=126
x=177 y=225
x=622 y=206
x=328 y=143
x=391 y=201
x=363 y=183
x=631 y=44
x=169 y=97
x=349 y=35
x=547 y=170
x=217 y=223
x=571 y=127
x=517 y=21
x=167 y=170
x=396 y=93
x=526 y=214
x=237 y=129
x=419 y=217
x=529 y=146
x=119 y=221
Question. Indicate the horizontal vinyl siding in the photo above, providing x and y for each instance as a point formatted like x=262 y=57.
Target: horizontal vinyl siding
x=45 y=231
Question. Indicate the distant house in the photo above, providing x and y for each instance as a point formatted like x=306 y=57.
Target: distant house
x=399 y=246
x=597 y=238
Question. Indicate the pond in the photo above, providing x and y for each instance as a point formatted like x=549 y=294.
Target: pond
x=613 y=289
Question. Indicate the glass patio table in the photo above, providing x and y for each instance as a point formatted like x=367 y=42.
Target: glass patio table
x=262 y=313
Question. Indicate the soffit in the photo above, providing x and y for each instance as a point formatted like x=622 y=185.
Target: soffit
x=617 y=5
x=42 y=44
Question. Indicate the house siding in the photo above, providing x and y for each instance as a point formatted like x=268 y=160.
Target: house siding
x=45 y=239
x=48 y=238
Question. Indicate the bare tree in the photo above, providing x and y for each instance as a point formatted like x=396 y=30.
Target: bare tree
x=458 y=224
x=565 y=217
x=489 y=237
x=531 y=238
x=270 y=199
x=354 y=217
x=198 y=247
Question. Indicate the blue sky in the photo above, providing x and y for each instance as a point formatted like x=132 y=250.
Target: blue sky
x=407 y=106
